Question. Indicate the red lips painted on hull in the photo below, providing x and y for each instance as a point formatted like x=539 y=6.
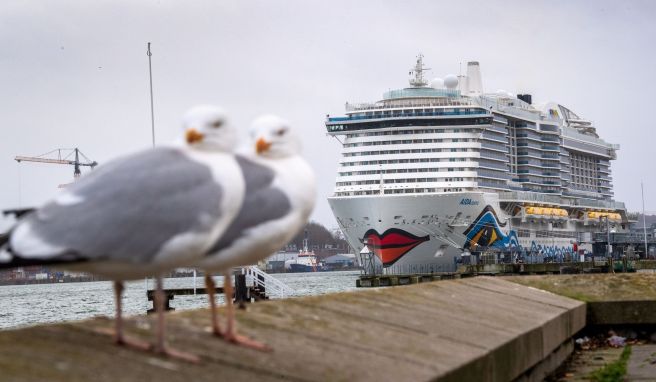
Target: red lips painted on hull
x=392 y=244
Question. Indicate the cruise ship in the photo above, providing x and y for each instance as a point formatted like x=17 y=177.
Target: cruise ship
x=441 y=170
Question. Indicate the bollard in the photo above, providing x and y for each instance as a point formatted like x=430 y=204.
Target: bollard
x=241 y=291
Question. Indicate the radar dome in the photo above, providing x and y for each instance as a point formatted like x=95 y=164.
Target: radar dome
x=437 y=83
x=451 y=81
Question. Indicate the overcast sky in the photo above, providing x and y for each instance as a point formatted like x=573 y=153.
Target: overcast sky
x=75 y=73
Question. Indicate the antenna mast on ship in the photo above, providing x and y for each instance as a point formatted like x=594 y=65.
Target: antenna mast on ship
x=418 y=70
x=305 y=242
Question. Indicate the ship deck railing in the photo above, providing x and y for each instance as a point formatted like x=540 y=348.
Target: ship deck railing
x=403 y=115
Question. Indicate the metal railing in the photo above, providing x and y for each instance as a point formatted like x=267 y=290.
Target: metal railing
x=271 y=285
x=404 y=114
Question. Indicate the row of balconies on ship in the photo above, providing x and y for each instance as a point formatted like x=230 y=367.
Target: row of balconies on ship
x=355 y=185
x=402 y=186
x=545 y=174
x=435 y=140
x=495 y=185
x=357 y=180
x=587 y=194
x=529 y=153
x=404 y=162
x=404 y=168
x=599 y=176
x=554 y=182
x=422 y=163
x=537 y=163
x=501 y=129
x=551 y=148
x=462 y=133
x=543 y=128
x=443 y=153
x=597 y=194
x=530 y=136
x=493 y=165
x=350 y=185
x=471 y=155
x=446 y=146
x=344 y=127
x=426 y=144
x=391 y=114
x=494 y=155
x=374 y=170
x=603 y=169
x=603 y=186
x=589 y=148
x=405 y=112
x=362 y=180
x=411 y=140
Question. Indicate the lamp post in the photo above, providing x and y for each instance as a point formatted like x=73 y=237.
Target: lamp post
x=644 y=219
x=608 y=251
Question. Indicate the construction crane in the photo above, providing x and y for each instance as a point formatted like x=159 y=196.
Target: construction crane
x=62 y=156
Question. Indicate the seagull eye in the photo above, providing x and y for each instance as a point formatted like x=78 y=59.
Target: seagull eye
x=281 y=132
x=217 y=124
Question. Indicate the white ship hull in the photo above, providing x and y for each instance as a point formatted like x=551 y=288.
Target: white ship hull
x=428 y=233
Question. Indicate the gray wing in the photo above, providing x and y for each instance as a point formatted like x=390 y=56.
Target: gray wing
x=131 y=207
x=256 y=176
x=262 y=203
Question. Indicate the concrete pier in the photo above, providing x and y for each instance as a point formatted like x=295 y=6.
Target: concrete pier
x=612 y=299
x=483 y=329
x=503 y=269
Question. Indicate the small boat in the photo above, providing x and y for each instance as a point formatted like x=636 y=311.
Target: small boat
x=305 y=262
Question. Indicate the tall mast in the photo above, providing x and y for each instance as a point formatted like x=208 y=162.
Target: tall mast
x=418 y=70
x=152 y=109
x=644 y=218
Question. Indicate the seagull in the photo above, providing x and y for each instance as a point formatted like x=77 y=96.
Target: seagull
x=280 y=195
x=140 y=215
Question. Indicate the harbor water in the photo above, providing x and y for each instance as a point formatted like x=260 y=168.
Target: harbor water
x=24 y=305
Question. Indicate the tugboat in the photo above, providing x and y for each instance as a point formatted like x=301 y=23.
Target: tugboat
x=306 y=260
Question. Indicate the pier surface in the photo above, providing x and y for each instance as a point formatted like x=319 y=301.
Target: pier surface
x=482 y=328
x=612 y=299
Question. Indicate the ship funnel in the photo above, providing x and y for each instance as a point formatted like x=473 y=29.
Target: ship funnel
x=474 y=82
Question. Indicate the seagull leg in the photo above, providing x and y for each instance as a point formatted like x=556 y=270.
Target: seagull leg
x=119 y=338
x=160 y=345
x=211 y=290
x=231 y=332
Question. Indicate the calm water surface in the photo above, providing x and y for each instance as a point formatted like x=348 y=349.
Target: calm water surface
x=23 y=305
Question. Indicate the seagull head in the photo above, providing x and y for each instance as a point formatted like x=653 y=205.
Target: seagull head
x=274 y=138
x=207 y=128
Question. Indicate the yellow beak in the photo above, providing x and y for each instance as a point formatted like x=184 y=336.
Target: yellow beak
x=194 y=136
x=261 y=145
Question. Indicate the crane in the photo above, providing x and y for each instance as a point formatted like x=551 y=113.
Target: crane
x=62 y=156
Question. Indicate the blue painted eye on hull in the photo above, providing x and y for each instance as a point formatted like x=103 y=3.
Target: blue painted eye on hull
x=485 y=232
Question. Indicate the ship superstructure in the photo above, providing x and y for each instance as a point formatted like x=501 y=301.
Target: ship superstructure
x=436 y=170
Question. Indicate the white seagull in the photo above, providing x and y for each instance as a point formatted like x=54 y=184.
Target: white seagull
x=140 y=215
x=280 y=195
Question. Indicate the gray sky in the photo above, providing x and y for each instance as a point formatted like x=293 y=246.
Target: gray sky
x=75 y=73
